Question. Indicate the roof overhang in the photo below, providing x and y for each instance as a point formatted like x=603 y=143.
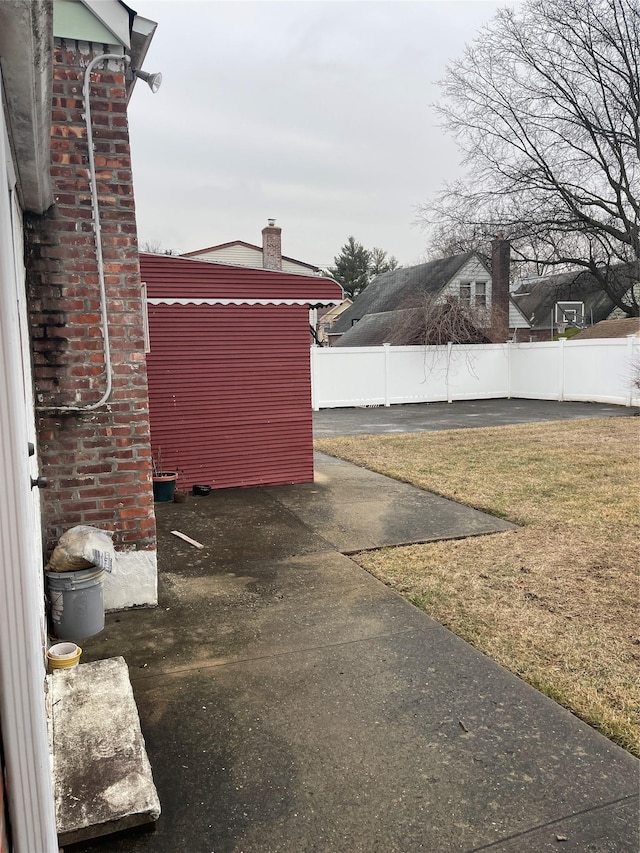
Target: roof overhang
x=312 y=302
x=26 y=60
x=142 y=30
x=108 y=22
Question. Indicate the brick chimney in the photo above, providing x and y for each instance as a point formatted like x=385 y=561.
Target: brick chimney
x=271 y=246
x=500 y=260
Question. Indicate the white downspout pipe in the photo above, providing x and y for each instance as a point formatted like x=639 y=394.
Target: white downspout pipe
x=104 y=323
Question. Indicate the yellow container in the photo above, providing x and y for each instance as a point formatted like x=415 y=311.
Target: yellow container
x=63 y=655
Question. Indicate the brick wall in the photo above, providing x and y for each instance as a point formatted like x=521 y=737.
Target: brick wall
x=500 y=260
x=99 y=462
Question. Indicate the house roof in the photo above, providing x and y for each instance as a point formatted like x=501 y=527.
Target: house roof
x=246 y=246
x=611 y=329
x=334 y=311
x=181 y=281
x=394 y=289
x=373 y=330
x=537 y=298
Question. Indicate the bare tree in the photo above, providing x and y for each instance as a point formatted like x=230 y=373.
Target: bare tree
x=431 y=320
x=154 y=247
x=453 y=238
x=545 y=105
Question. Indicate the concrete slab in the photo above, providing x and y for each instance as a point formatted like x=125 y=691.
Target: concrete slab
x=406 y=742
x=102 y=776
x=292 y=703
x=357 y=510
x=265 y=608
x=346 y=507
x=236 y=525
x=467 y=414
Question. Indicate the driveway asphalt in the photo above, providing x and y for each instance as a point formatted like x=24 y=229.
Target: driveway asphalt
x=291 y=702
x=426 y=417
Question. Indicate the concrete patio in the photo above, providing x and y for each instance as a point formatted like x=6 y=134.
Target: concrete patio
x=292 y=702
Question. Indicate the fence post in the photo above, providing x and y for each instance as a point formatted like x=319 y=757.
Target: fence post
x=509 y=354
x=314 y=379
x=561 y=343
x=387 y=373
x=449 y=352
x=634 y=367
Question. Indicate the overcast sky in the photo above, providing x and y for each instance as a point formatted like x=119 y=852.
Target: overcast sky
x=317 y=114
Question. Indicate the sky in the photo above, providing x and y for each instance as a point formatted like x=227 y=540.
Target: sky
x=316 y=114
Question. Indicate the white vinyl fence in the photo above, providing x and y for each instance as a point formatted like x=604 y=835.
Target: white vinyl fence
x=599 y=371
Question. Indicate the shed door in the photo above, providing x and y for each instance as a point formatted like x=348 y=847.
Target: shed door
x=230 y=393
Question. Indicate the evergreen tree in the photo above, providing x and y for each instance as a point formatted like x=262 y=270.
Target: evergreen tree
x=381 y=262
x=356 y=266
x=351 y=268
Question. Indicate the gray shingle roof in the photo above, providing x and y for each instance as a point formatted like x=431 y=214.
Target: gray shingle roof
x=537 y=298
x=396 y=289
x=372 y=330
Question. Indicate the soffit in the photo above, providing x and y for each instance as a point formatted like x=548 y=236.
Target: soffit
x=26 y=50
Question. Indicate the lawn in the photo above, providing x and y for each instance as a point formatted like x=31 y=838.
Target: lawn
x=555 y=601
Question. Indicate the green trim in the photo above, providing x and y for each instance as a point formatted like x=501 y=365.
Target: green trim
x=72 y=20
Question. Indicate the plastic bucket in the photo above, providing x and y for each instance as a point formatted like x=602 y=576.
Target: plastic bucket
x=76 y=603
x=63 y=655
x=164 y=485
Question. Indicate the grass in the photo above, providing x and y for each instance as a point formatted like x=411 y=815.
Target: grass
x=555 y=601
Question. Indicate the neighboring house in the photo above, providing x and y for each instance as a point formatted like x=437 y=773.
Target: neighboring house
x=229 y=370
x=268 y=256
x=376 y=315
x=326 y=318
x=537 y=299
x=87 y=422
x=399 y=328
x=623 y=328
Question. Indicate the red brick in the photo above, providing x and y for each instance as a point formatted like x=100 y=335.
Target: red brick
x=90 y=456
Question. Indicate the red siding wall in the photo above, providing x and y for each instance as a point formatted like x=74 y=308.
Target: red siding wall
x=172 y=277
x=230 y=392
x=230 y=384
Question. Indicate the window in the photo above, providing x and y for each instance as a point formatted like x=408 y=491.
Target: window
x=481 y=294
x=465 y=293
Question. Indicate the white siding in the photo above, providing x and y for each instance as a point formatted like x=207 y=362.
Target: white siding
x=298 y=269
x=241 y=256
x=22 y=697
x=247 y=256
x=516 y=320
x=472 y=271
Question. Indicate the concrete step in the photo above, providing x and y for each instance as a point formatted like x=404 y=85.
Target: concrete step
x=102 y=776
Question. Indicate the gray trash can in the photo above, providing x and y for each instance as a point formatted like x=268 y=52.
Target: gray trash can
x=76 y=603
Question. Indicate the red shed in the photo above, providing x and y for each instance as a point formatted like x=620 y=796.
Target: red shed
x=229 y=370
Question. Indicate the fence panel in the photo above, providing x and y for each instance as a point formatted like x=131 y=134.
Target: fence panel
x=592 y=371
x=416 y=374
x=479 y=372
x=601 y=371
x=535 y=371
x=356 y=378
